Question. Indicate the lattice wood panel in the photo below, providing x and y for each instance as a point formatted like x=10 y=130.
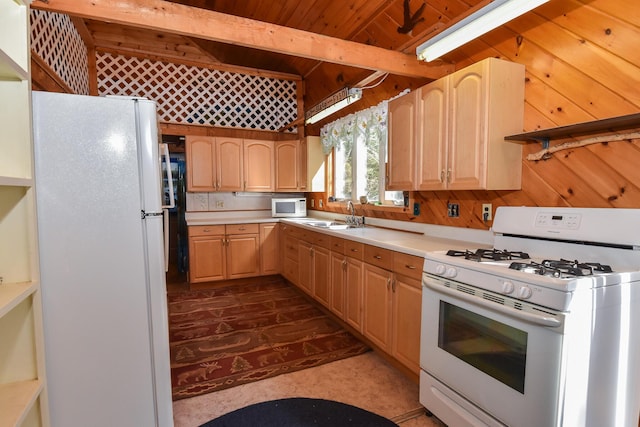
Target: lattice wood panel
x=192 y=95
x=55 y=39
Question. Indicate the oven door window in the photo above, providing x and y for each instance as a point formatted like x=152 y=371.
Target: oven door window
x=496 y=349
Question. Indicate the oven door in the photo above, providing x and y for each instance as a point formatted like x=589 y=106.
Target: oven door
x=488 y=359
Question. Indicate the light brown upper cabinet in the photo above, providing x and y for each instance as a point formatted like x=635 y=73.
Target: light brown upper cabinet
x=291 y=165
x=449 y=134
x=214 y=163
x=258 y=165
x=229 y=164
x=402 y=142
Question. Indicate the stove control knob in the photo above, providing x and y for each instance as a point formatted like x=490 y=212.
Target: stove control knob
x=440 y=269
x=507 y=287
x=525 y=292
x=451 y=273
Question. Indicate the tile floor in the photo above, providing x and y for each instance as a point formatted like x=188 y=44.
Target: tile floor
x=365 y=381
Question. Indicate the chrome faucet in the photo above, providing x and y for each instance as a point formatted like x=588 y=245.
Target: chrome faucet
x=352 y=220
x=351 y=209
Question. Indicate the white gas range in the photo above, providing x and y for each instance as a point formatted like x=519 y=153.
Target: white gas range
x=540 y=331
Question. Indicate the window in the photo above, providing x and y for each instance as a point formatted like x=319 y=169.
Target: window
x=358 y=145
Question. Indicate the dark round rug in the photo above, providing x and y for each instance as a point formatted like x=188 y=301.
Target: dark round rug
x=300 y=412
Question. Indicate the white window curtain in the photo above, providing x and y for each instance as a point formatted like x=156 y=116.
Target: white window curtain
x=359 y=144
x=368 y=124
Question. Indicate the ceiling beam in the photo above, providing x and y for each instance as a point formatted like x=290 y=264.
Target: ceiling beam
x=188 y=21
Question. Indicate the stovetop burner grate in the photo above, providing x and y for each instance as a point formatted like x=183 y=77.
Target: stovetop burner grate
x=561 y=268
x=488 y=254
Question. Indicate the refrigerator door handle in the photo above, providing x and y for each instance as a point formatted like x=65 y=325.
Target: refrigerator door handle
x=165 y=153
x=165 y=217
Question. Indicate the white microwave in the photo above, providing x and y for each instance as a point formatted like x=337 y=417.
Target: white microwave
x=289 y=207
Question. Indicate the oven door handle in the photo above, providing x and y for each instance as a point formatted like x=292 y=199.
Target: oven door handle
x=536 y=319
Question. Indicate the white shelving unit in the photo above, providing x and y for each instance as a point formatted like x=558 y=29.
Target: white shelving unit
x=23 y=400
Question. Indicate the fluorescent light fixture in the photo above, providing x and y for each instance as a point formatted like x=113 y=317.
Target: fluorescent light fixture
x=482 y=21
x=333 y=103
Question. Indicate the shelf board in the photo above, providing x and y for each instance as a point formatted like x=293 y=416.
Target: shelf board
x=612 y=124
x=12 y=294
x=11 y=70
x=10 y=181
x=16 y=400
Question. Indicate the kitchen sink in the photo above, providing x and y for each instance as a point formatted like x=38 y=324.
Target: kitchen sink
x=330 y=225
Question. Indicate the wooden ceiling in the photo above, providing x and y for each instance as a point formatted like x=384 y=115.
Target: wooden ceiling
x=166 y=29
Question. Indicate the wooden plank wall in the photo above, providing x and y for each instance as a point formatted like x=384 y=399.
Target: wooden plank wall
x=582 y=63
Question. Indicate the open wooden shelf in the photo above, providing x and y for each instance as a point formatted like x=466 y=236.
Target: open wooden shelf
x=613 y=124
x=16 y=400
x=12 y=294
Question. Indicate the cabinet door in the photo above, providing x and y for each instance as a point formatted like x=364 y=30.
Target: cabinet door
x=321 y=275
x=303 y=165
x=338 y=267
x=270 y=253
x=402 y=142
x=353 y=293
x=407 y=310
x=431 y=155
x=305 y=266
x=290 y=265
x=467 y=134
x=207 y=258
x=287 y=167
x=200 y=160
x=258 y=165
x=229 y=154
x=243 y=255
x=377 y=306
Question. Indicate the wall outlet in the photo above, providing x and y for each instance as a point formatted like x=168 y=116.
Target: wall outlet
x=219 y=204
x=453 y=210
x=416 y=208
x=313 y=203
x=486 y=212
x=320 y=203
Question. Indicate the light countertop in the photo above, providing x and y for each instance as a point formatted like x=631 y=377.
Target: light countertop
x=401 y=236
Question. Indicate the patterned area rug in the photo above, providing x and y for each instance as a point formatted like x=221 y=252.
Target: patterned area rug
x=229 y=336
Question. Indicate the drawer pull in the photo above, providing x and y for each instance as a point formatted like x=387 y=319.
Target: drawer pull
x=354 y=250
x=377 y=257
x=410 y=267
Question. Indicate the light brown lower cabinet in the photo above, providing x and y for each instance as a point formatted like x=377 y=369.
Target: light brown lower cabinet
x=321 y=275
x=407 y=310
x=346 y=289
x=377 y=306
x=207 y=253
x=269 y=249
x=305 y=267
x=220 y=252
x=374 y=290
x=243 y=250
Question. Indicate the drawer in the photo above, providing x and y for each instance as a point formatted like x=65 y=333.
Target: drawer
x=307 y=235
x=380 y=257
x=243 y=228
x=354 y=249
x=322 y=240
x=291 y=230
x=206 y=230
x=337 y=244
x=290 y=270
x=291 y=248
x=408 y=265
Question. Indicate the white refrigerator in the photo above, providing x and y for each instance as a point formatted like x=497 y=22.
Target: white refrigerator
x=100 y=231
